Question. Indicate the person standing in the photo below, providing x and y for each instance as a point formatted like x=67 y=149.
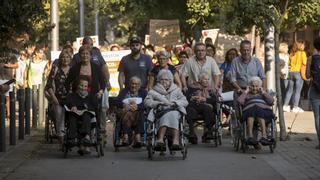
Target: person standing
x=313 y=72
x=198 y=64
x=297 y=58
x=134 y=64
x=246 y=66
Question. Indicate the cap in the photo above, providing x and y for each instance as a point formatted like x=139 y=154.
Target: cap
x=135 y=40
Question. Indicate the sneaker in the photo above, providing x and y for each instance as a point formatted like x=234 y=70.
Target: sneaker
x=286 y=108
x=297 y=110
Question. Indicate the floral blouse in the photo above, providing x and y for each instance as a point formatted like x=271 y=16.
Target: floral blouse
x=56 y=81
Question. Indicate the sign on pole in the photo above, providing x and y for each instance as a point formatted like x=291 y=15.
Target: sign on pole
x=112 y=59
x=164 y=32
x=210 y=33
x=95 y=40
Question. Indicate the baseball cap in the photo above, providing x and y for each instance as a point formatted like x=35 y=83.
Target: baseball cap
x=135 y=40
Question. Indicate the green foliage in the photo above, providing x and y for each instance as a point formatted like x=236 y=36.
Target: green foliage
x=283 y=14
x=206 y=12
x=22 y=17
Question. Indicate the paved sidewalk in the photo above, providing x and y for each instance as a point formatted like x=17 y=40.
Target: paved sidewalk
x=297 y=157
x=14 y=157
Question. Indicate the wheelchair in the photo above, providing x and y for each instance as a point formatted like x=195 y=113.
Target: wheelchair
x=217 y=127
x=239 y=132
x=50 y=131
x=118 y=133
x=95 y=138
x=152 y=132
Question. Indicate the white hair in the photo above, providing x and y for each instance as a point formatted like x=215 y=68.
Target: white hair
x=255 y=79
x=202 y=75
x=165 y=72
x=135 y=78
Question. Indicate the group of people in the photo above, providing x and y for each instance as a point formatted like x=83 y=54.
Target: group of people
x=190 y=89
x=77 y=82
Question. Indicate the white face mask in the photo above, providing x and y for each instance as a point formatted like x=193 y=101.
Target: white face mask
x=83 y=94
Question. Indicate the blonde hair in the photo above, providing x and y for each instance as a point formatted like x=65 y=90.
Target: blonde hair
x=283 y=48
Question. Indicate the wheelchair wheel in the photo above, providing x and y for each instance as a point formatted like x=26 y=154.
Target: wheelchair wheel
x=244 y=145
x=101 y=149
x=236 y=143
x=150 y=149
x=184 y=152
x=98 y=150
x=116 y=136
x=46 y=129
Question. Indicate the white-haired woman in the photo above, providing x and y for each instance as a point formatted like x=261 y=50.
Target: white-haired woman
x=163 y=63
x=170 y=96
x=130 y=100
x=256 y=105
x=202 y=102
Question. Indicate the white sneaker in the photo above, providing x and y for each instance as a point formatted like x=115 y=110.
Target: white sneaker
x=297 y=110
x=286 y=108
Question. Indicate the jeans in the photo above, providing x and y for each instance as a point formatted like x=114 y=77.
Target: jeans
x=295 y=84
x=284 y=87
x=316 y=112
x=59 y=114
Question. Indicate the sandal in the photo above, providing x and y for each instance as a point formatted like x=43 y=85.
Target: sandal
x=137 y=145
x=251 y=141
x=160 y=146
x=175 y=147
x=265 y=142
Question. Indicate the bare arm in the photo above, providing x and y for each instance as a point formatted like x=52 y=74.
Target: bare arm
x=150 y=82
x=121 y=79
x=12 y=66
x=184 y=82
x=177 y=80
x=216 y=81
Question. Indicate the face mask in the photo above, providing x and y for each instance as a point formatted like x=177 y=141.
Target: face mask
x=83 y=94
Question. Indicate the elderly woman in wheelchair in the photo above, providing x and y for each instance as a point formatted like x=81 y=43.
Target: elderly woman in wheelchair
x=202 y=103
x=82 y=107
x=130 y=113
x=256 y=105
x=167 y=104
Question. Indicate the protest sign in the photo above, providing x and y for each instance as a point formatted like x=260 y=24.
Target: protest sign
x=164 y=32
x=112 y=59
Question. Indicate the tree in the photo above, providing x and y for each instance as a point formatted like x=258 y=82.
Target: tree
x=20 y=17
x=282 y=15
x=123 y=17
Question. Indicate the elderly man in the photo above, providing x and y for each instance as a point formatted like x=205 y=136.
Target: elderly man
x=198 y=64
x=244 y=67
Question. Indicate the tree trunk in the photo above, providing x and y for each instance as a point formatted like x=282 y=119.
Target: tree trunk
x=269 y=59
x=283 y=133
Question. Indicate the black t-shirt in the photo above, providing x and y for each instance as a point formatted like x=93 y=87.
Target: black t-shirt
x=140 y=67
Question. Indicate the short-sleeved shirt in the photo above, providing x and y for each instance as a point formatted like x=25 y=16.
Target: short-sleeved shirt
x=140 y=67
x=96 y=57
x=36 y=72
x=155 y=71
x=241 y=72
x=192 y=69
x=20 y=77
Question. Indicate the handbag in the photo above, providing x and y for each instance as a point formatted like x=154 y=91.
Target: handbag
x=159 y=112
